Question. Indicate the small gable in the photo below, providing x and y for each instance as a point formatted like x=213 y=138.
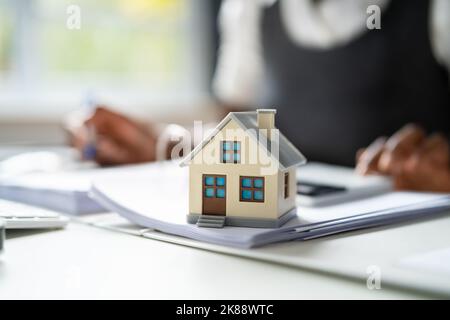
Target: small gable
x=241 y=137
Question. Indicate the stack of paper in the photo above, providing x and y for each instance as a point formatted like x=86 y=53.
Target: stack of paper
x=157 y=198
x=64 y=191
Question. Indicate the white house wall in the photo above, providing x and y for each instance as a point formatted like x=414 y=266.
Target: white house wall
x=267 y=209
x=286 y=204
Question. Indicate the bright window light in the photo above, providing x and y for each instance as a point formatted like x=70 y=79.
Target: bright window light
x=138 y=53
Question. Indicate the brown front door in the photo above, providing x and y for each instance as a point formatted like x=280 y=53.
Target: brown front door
x=214 y=194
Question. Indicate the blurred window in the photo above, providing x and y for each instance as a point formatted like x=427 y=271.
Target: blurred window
x=136 y=52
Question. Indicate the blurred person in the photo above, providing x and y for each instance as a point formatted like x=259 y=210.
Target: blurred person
x=337 y=84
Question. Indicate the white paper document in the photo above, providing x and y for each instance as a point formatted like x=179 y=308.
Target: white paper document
x=63 y=191
x=157 y=198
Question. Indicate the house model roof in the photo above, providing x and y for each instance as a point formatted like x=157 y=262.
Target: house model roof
x=289 y=155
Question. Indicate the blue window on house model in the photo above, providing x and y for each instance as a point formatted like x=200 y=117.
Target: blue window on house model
x=220 y=181
x=251 y=189
x=247 y=194
x=258 y=183
x=209 y=192
x=246 y=182
x=209 y=180
x=220 y=193
x=214 y=186
x=258 y=195
x=231 y=152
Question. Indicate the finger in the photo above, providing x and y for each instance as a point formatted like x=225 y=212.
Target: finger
x=108 y=153
x=359 y=153
x=433 y=153
x=435 y=149
x=424 y=177
x=76 y=137
x=427 y=169
x=399 y=148
x=104 y=120
x=368 y=160
x=118 y=128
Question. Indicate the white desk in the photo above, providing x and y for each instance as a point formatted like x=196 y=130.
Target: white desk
x=87 y=262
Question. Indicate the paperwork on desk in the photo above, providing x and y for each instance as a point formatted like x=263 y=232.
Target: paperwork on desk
x=157 y=198
x=64 y=191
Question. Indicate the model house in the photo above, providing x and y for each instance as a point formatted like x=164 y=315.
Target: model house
x=243 y=173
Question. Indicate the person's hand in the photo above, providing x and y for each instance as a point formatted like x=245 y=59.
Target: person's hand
x=119 y=139
x=414 y=161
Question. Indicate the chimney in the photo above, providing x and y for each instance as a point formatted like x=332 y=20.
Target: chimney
x=266 y=119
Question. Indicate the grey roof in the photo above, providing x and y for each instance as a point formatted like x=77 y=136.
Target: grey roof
x=289 y=155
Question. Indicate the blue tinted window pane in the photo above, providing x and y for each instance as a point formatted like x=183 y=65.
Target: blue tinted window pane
x=258 y=183
x=237 y=157
x=237 y=146
x=209 y=192
x=220 y=193
x=246 y=195
x=258 y=195
x=220 y=181
x=209 y=181
x=226 y=157
x=226 y=146
x=246 y=182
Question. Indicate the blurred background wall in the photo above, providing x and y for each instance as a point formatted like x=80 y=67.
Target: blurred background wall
x=150 y=58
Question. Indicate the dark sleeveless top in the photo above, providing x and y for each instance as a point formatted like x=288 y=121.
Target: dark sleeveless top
x=332 y=102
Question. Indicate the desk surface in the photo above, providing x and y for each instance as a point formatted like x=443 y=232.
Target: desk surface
x=86 y=262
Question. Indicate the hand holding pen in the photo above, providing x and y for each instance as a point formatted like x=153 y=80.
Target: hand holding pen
x=90 y=148
x=110 y=138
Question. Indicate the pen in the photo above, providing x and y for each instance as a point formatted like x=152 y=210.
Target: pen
x=90 y=149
